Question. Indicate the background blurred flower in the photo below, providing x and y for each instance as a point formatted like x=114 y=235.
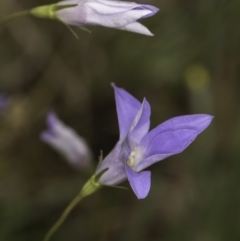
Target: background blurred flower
x=67 y=142
x=137 y=148
x=4 y=101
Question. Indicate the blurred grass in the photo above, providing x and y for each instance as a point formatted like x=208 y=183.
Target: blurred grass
x=191 y=65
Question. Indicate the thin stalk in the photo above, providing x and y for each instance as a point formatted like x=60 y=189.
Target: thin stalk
x=13 y=16
x=90 y=187
x=63 y=217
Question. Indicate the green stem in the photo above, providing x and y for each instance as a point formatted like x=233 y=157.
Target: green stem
x=90 y=187
x=13 y=16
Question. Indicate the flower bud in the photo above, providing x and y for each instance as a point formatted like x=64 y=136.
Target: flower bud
x=67 y=142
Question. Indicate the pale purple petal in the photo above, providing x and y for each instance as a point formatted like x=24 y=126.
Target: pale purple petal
x=192 y=122
x=140 y=125
x=114 y=16
x=137 y=28
x=172 y=137
x=54 y=124
x=127 y=108
x=153 y=10
x=167 y=144
x=140 y=182
x=119 y=4
x=66 y=141
x=4 y=101
x=116 y=167
x=72 y=15
x=52 y=120
x=46 y=135
x=110 y=7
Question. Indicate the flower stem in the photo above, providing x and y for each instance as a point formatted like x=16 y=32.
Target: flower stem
x=13 y=16
x=90 y=187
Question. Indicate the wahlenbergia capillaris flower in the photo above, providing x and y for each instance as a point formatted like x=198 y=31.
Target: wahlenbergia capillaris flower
x=138 y=148
x=112 y=14
x=67 y=142
x=121 y=15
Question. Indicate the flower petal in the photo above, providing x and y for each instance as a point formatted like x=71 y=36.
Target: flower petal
x=172 y=137
x=119 y=4
x=110 y=7
x=140 y=182
x=115 y=162
x=137 y=11
x=153 y=10
x=140 y=125
x=192 y=122
x=127 y=109
x=137 y=28
x=113 y=16
x=52 y=120
x=66 y=141
x=4 y=101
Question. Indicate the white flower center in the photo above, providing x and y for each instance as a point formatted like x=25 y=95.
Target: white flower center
x=132 y=159
x=136 y=156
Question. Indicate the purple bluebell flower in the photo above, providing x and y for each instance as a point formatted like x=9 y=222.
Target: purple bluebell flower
x=67 y=142
x=138 y=148
x=113 y=14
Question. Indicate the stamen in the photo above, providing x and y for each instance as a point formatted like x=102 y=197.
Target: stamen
x=132 y=159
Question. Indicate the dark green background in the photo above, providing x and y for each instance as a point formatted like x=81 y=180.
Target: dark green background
x=190 y=66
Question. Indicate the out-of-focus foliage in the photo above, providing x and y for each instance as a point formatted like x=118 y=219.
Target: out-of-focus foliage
x=192 y=65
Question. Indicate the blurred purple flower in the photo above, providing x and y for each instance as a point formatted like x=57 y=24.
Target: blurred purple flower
x=113 y=14
x=4 y=101
x=138 y=148
x=67 y=142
